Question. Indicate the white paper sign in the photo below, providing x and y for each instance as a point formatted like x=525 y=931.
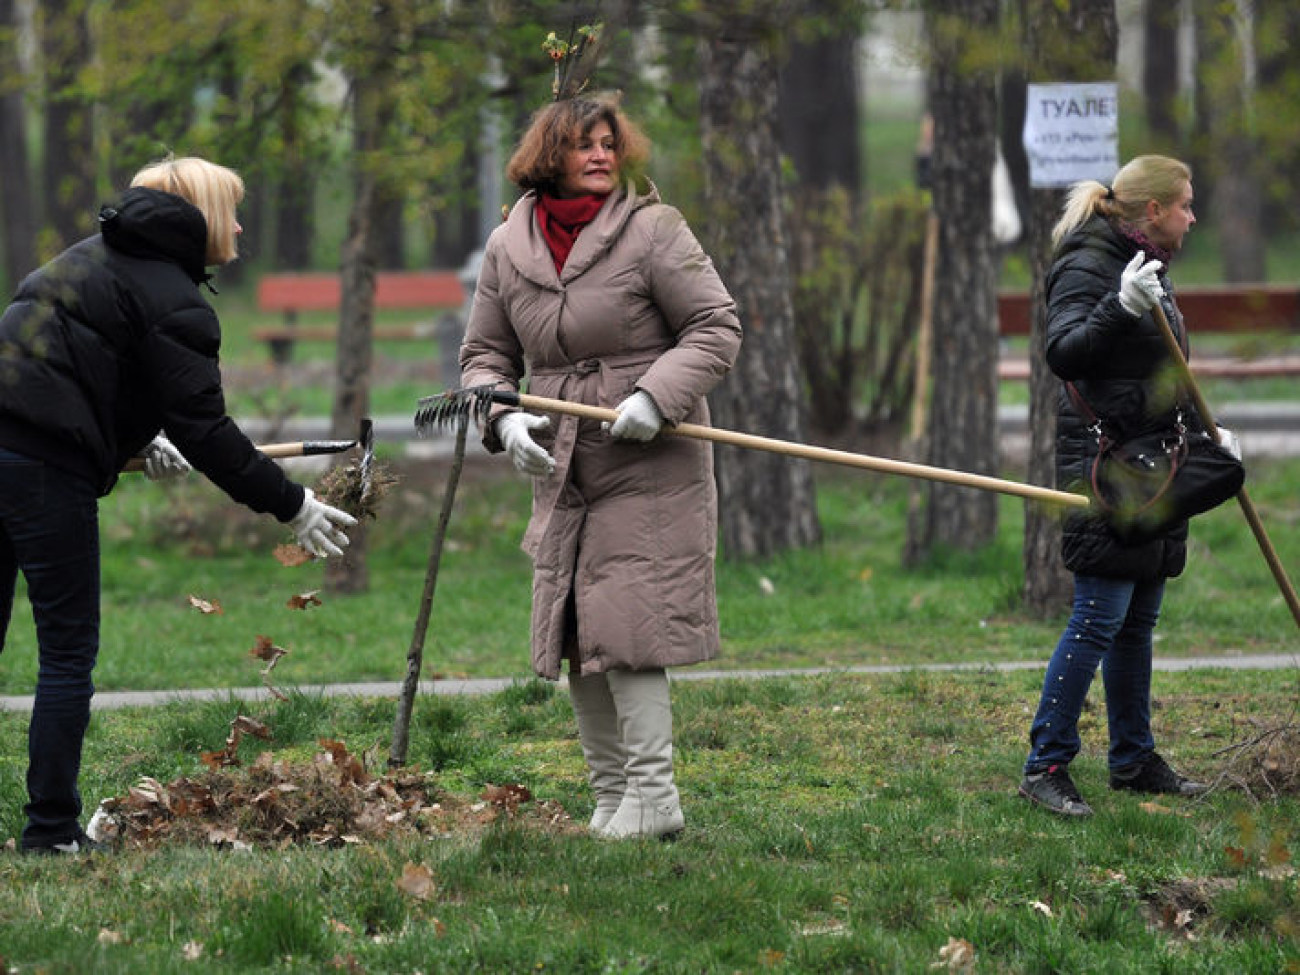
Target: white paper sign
x=1072 y=132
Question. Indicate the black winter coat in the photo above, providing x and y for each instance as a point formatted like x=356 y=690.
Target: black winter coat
x=1121 y=367
x=111 y=341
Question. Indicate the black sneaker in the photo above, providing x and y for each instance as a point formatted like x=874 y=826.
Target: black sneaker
x=81 y=843
x=1055 y=791
x=1154 y=775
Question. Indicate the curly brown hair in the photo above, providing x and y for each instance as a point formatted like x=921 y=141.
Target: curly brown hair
x=538 y=160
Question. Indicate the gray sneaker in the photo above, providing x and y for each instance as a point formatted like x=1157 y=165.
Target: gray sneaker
x=1055 y=791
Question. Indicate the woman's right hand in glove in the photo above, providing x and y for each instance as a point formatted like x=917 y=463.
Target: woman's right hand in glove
x=319 y=526
x=1139 y=285
x=514 y=430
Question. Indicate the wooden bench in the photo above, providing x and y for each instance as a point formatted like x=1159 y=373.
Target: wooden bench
x=310 y=291
x=1208 y=309
x=1221 y=309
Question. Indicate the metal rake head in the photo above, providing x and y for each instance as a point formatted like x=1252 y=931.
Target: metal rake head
x=447 y=409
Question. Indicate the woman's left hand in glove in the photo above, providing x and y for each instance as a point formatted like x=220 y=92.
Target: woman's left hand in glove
x=1229 y=442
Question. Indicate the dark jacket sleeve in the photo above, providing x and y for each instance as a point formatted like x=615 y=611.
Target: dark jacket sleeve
x=180 y=357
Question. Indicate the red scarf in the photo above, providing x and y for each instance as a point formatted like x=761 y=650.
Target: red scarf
x=562 y=219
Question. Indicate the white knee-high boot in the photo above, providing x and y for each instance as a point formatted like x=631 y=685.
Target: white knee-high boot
x=651 y=806
x=602 y=746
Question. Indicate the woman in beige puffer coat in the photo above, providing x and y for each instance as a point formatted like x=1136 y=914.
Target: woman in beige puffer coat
x=600 y=294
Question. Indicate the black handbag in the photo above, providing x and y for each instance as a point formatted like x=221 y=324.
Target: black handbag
x=1147 y=483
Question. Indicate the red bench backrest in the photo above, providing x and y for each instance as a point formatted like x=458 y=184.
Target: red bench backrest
x=313 y=291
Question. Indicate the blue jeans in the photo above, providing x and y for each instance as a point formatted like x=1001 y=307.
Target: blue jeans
x=49 y=529
x=1111 y=625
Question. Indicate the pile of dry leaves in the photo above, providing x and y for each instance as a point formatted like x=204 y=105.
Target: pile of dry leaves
x=330 y=801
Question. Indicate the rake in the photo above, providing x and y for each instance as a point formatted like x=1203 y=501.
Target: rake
x=444 y=409
x=1243 y=499
x=295 y=448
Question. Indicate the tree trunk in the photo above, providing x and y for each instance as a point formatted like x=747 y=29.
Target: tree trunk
x=1048 y=585
x=817 y=97
x=1277 y=38
x=767 y=502
x=373 y=111
x=1160 y=73
x=961 y=431
x=69 y=190
x=295 y=214
x=1092 y=31
x=1226 y=122
x=389 y=233
x=17 y=213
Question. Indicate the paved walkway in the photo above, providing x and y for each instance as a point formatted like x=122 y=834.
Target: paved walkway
x=108 y=700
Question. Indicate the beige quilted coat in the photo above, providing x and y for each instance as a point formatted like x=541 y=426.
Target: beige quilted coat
x=623 y=534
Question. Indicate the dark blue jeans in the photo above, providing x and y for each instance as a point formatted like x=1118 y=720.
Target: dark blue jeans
x=1111 y=625
x=49 y=530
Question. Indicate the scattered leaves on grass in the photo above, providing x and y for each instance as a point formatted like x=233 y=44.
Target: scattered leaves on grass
x=1179 y=905
x=240 y=726
x=303 y=600
x=417 y=881
x=208 y=607
x=507 y=797
x=330 y=801
x=1158 y=809
x=958 y=955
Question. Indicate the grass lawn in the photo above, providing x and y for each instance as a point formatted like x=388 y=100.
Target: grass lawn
x=838 y=823
x=849 y=602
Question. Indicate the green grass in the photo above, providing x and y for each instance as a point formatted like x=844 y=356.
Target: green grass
x=849 y=602
x=836 y=823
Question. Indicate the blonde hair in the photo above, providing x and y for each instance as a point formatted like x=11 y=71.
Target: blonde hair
x=538 y=160
x=214 y=190
x=1142 y=179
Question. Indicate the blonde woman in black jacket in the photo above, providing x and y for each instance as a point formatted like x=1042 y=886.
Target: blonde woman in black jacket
x=1113 y=246
x=107 y=352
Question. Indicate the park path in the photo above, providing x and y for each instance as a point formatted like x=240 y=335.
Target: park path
x=108 y=700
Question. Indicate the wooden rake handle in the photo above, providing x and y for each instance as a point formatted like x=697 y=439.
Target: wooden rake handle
x=824 y=454
x=1247 y=506
x=295 y=448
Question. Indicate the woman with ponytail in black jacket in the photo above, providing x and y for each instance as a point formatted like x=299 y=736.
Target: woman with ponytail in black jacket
x=1113 y=246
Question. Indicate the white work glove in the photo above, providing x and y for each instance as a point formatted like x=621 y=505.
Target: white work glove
x=1139 y=286
x=514 y=432
x=319 y=526
x=638 y=418
x=162 y=461
x=1229 y=442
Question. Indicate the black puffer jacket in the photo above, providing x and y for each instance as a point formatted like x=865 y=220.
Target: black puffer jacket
x=1122 y=369
x=112 y=341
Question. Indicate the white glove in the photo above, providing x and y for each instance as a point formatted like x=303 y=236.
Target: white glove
x=319 y=526
x=1139 y=286
x=514 y=432
x=162 y=461
x=1229 y=442
x=638 y=418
